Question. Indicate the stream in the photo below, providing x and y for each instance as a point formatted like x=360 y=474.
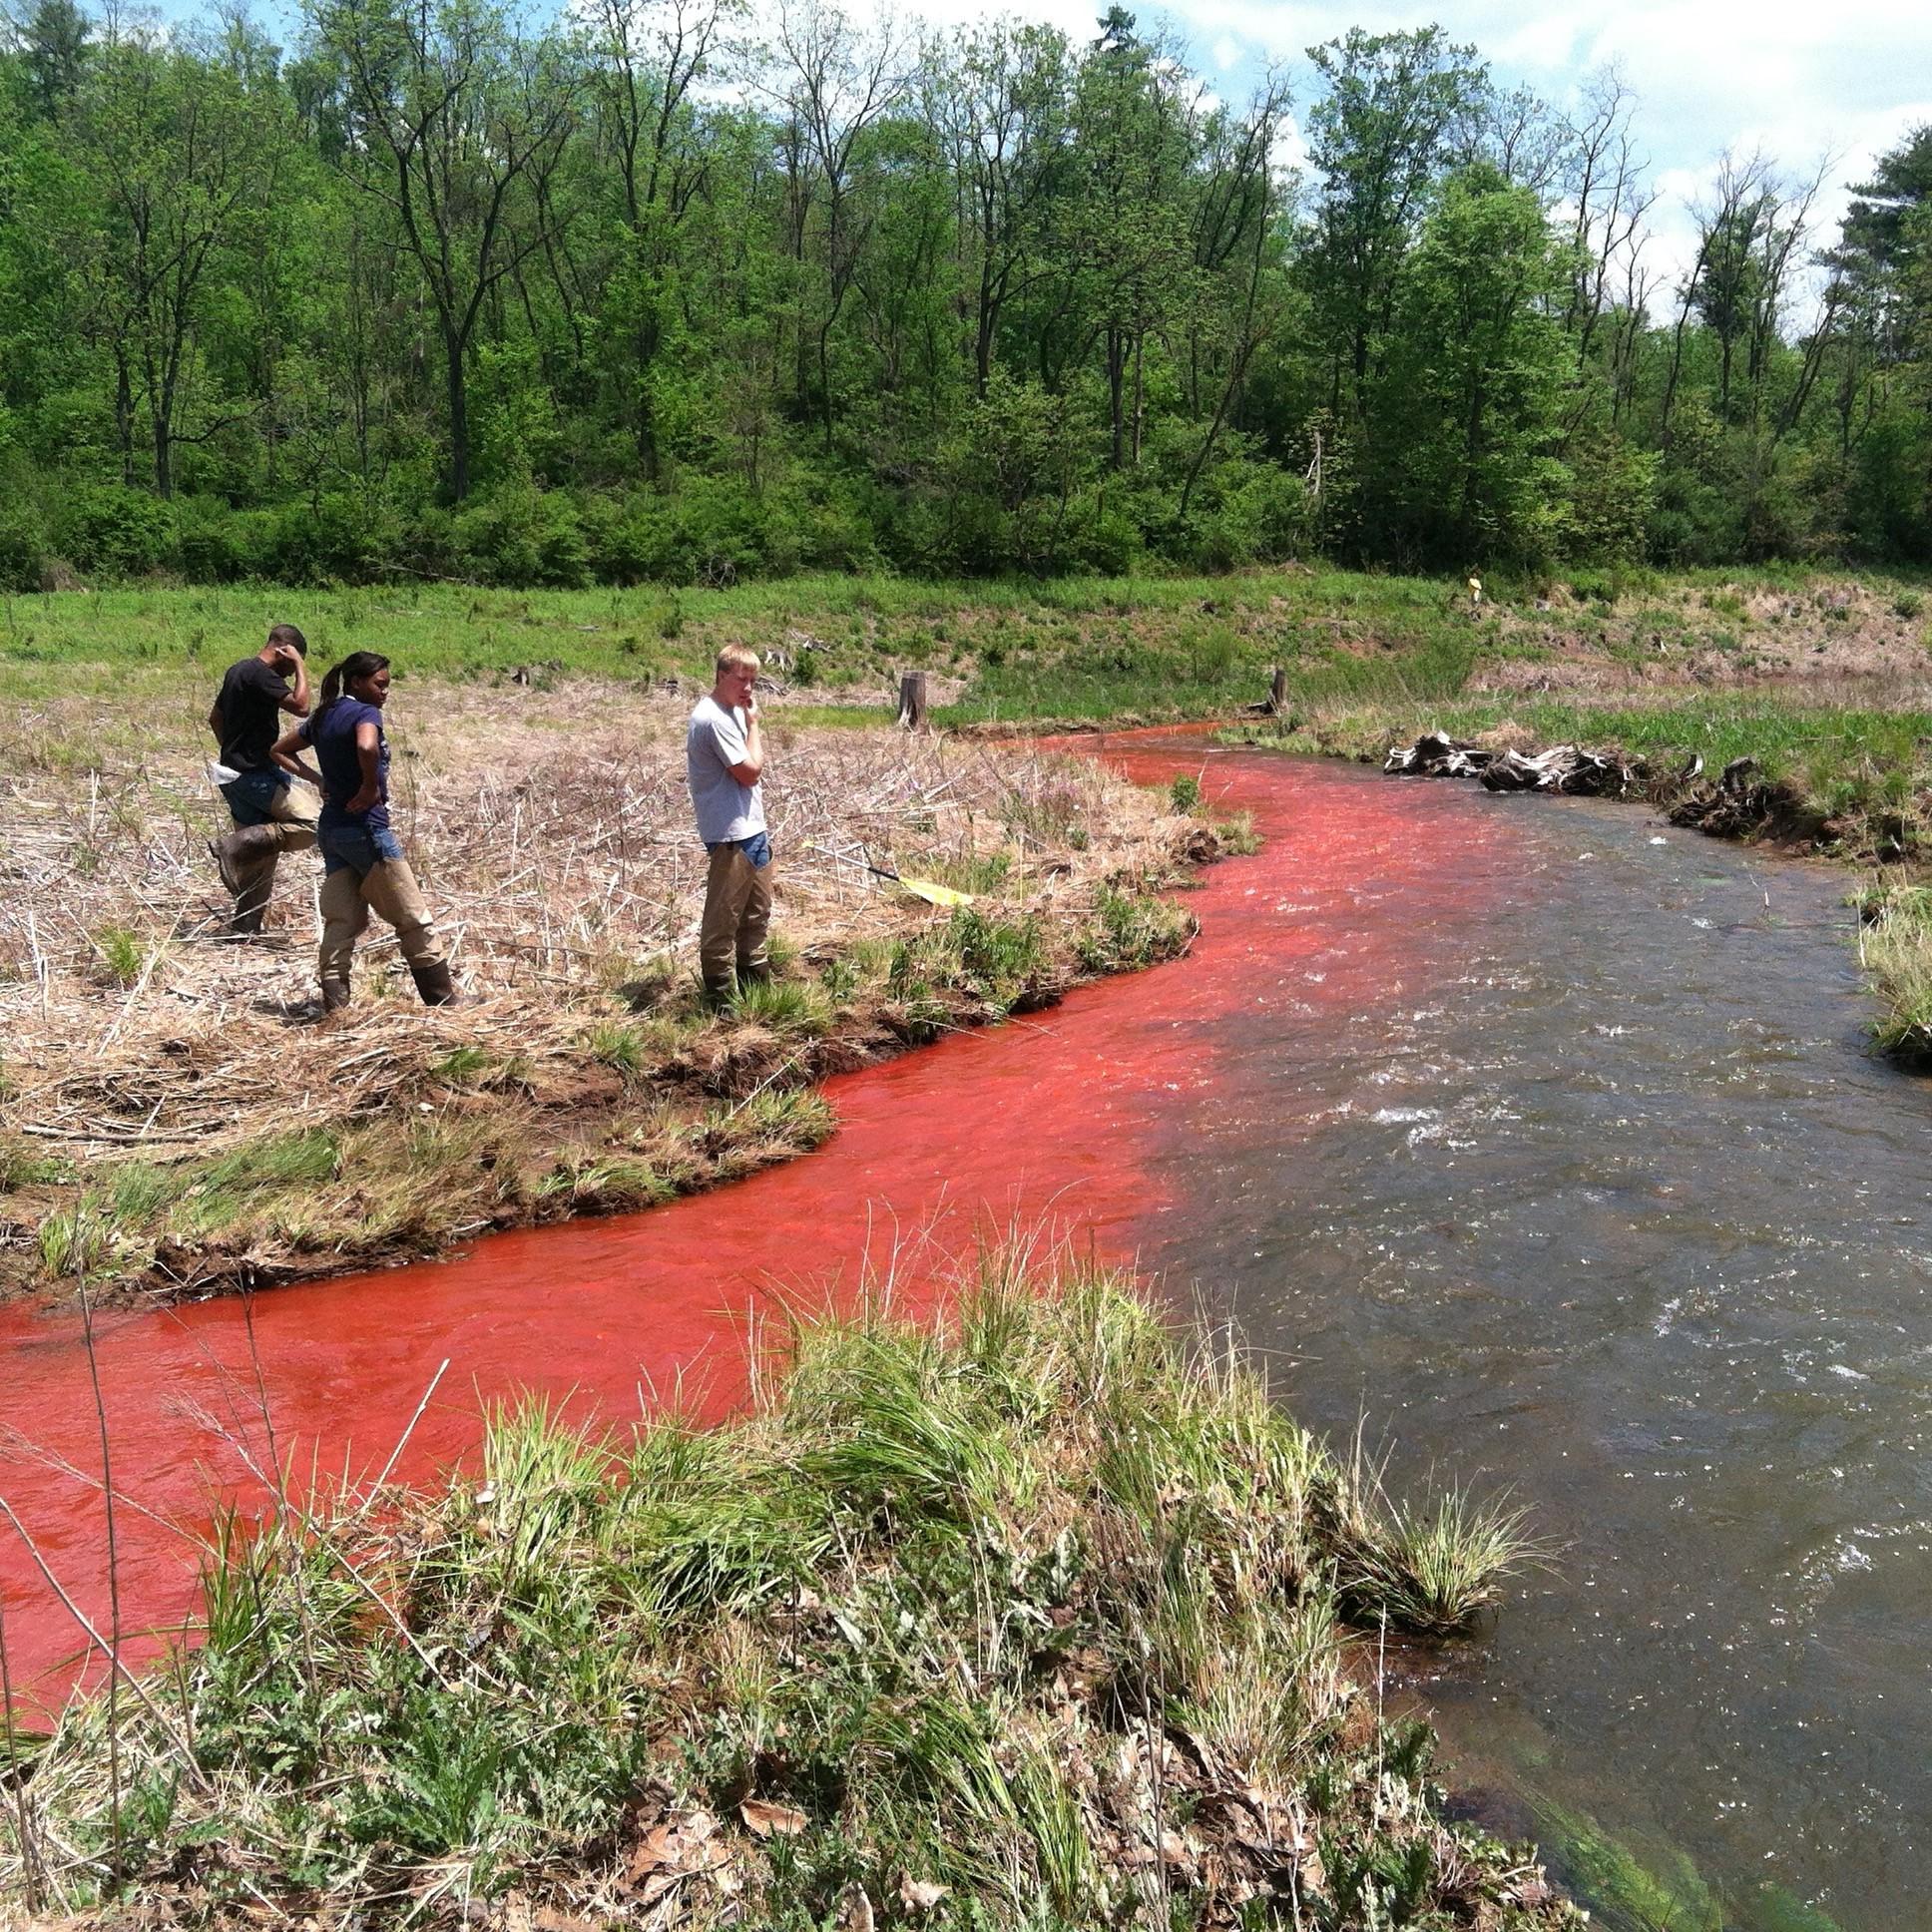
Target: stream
x=1534 y=1138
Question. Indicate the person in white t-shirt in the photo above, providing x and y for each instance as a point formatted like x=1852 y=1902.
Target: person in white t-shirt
x=723 y=761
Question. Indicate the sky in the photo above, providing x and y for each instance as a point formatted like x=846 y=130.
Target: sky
x=1810 y=83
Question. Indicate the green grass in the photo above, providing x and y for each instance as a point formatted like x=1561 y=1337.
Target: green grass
x=1075 y=648
x=1895 y=949
x=785 y=1006
x=1019 y=1621
x=1129 y=931
x=120 y=955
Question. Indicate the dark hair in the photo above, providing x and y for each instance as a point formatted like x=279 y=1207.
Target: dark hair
x=352 y=669
x=286 y=634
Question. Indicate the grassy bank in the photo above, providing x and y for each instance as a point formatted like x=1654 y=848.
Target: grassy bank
x=175 y=1118
x=474 y=1131
x=1038 y=1619
x=1851 y=778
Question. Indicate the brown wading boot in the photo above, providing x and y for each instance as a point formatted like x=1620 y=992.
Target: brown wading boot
x=433 y=983
x=246 y=841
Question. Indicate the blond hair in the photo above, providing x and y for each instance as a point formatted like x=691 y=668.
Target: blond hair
x=735 y=653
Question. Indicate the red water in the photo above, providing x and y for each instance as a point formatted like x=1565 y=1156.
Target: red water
x=1051 y=1122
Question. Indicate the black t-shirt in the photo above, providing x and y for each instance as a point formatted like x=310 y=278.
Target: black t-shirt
x=250 y=707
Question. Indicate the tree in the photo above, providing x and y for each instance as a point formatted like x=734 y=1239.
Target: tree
x=174 y=141
x=1380 y=138
x=459 y=125
x=998 y=99
x=1134 y=133
x=1475 y=385
x=834 y=82
x=55 y=45
x=648 y=56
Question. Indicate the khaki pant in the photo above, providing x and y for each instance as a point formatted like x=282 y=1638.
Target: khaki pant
x=291 y=818
x=732 y=943
x=390 y=886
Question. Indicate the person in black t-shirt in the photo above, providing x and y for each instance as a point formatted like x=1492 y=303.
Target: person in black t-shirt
x=271 y=813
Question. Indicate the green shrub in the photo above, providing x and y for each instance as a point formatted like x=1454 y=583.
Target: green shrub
x=117 y=531
x=217 y=545
x=343 y=538
x=999 y=959
x=1132 y=929
x=523 y=537
x=23 y=543
x=1184 y=795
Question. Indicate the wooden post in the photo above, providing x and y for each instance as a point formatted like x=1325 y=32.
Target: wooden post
x=912 y=700
x=1279 y=693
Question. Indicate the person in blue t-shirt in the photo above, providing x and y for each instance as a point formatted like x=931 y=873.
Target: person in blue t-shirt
x=362 y=858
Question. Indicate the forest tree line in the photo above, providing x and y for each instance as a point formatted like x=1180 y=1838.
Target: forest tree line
x=658 y=291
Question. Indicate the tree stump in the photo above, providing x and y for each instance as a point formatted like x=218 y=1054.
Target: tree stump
x=1277 y=700
x=912 y=700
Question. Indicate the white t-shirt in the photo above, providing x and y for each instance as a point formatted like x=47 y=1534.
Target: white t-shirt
x=713 y=743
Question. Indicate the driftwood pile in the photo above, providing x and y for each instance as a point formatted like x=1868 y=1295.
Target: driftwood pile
x=1567 y=768
x=1739 y=802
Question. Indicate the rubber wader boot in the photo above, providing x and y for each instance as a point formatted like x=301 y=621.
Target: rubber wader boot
x=246 y=841
x=433 y=983
x=335 y=995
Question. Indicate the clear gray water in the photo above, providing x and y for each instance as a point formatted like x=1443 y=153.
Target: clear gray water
x=1609 y=1202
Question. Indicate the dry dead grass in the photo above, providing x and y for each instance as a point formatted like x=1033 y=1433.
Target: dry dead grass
x=552 y=833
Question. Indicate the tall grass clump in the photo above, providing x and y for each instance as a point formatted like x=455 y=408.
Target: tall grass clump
x=1028 y=1617
x=1895 y=949
x=1130 y=930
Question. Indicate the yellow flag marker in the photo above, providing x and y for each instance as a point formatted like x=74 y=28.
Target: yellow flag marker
x=939 y=895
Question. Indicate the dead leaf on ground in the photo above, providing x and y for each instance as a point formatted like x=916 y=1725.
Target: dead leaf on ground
x=773 y=1820
x=672 y=1852
x=920 y=1894
x=855 y=1911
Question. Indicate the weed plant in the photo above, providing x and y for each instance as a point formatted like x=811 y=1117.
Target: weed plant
x=121 y=955
x=1024 y=1619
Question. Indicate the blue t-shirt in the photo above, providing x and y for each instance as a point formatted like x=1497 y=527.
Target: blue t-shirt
x=331 y=734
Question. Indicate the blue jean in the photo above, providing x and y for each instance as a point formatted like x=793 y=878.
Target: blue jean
x=253 y=796
x=350 y=845
x=756 y=849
